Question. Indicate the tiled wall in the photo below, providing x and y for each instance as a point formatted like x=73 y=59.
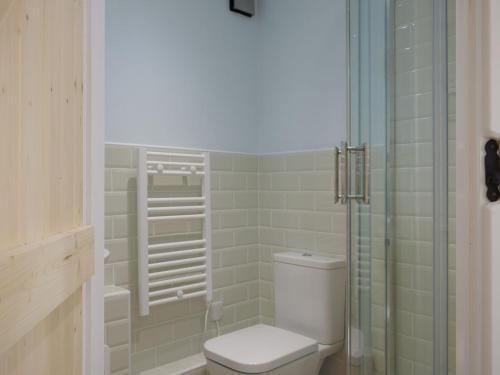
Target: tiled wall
x=413 y=205
x=296 y=212
x=117 y=328
x=174 y=331
x=413 y=188
x=235 y=237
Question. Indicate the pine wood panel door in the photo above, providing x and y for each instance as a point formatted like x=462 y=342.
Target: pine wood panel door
x=46 y=253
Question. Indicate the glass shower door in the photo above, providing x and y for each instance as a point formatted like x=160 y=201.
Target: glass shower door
x=369 y=93
x=398 y=241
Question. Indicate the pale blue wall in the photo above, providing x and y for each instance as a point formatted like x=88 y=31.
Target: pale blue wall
x=188 y=73
x=302 y=74
x=180 y=73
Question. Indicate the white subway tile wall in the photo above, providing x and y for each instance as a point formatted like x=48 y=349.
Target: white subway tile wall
x=175 y=331
x=296 y=212
x=413 y=187
x=117 y=328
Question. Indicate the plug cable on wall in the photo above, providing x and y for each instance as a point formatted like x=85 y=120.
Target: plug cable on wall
x=205 y=327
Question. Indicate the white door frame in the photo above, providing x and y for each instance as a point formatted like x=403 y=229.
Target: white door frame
x=493 y=125
x=478 y=116
x=478 y=222
x=94 y=121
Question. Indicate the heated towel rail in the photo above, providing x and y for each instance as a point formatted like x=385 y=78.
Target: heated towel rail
x=173 y=270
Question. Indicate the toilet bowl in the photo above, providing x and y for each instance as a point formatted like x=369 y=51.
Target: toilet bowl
x=309 y=300
x=262 y=349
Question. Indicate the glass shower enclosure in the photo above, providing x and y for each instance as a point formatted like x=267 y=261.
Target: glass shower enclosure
x=396 y=177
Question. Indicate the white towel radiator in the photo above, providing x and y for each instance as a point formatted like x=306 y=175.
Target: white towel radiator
x=172 y=270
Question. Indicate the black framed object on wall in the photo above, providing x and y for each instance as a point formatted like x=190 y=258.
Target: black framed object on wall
x=244 y=7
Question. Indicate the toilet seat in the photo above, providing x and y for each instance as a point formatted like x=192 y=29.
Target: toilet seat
x=258 y=349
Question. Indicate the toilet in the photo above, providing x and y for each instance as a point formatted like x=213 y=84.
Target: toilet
x=309 y=302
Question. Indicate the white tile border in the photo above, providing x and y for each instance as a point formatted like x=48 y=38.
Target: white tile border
x=219 y=151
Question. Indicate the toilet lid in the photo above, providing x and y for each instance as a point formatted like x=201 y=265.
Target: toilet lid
x=259 y=348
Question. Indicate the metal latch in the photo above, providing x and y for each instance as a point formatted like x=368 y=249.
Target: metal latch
x=492 y=170
x=352 y=183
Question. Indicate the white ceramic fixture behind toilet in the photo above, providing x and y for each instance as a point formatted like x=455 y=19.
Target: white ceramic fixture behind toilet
x=309 y=300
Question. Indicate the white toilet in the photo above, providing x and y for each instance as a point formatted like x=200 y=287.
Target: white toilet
x=309 y=300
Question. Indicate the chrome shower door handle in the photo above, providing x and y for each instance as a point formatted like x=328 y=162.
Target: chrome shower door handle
x=336 y=190
x=343 y=183
x=366 y=168
x=341 y=173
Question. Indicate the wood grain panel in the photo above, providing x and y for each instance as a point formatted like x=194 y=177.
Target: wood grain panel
x=54 y=347
x=37 y=277
x=41 y=118
x=4 y=7
x=41 y=164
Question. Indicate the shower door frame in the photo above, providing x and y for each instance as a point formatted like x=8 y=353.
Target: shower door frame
x=440 y=186
x=354 y=212
x=440 y=178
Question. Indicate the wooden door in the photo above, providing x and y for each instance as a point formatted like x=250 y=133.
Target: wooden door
x=46 y=253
